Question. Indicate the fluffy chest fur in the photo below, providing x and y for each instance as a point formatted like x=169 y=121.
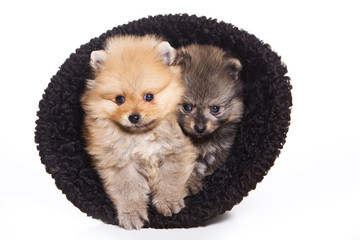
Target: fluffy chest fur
x=214 y=150
x=111 y=147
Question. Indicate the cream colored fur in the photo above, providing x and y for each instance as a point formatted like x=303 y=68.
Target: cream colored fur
x=151 y=157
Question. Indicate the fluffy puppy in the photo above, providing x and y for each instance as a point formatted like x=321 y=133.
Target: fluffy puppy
x=211 y=108
x=131 y=130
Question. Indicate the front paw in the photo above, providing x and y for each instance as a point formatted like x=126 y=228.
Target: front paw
x=168 y=207
x=194 y=187
x=132 y=220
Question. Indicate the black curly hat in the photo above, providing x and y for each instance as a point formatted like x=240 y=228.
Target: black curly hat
x=261 y=134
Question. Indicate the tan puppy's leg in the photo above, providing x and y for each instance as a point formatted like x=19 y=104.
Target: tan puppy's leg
x=128 y=190
x=170 y=188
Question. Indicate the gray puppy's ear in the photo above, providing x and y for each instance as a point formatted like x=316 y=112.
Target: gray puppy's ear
x=183 y=59
x=233 y=66
x=166 y=52
x=97 y=59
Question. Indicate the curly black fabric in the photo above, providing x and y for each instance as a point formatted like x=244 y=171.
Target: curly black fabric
x=261 y=135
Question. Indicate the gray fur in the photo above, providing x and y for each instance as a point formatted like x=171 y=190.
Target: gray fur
x=211 y=79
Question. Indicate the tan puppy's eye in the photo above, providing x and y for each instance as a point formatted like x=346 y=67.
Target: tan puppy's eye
x=148 y=97
x=120 y=99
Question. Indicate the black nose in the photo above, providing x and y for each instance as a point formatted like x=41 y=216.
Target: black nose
x=134 y=118
x=200 y=128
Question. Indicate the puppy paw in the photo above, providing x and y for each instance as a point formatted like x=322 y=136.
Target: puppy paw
x=194 y=188
x=132 y=220
x=168 y=207
x=194 y=185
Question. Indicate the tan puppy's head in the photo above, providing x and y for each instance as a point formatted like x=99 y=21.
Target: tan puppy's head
x=134 y=85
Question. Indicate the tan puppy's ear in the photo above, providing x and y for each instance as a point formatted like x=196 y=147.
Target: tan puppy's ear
x=97 y=59
x=166 y=52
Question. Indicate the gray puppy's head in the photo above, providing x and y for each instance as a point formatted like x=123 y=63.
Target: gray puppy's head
x=212 y=95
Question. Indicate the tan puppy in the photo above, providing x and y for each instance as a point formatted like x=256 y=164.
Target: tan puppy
x=131 y=127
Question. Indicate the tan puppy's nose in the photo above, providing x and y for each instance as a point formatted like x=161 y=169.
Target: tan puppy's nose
x=134 y=118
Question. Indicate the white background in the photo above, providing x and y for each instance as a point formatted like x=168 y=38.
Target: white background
x=312 y=192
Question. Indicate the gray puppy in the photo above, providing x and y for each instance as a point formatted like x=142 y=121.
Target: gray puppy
x=211 y=107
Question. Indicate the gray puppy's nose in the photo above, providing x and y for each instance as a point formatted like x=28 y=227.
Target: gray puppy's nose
x=200 y=128
x=134 y=118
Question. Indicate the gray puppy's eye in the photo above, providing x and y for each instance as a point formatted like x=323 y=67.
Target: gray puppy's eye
x=215 y=110
x=187 y=107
